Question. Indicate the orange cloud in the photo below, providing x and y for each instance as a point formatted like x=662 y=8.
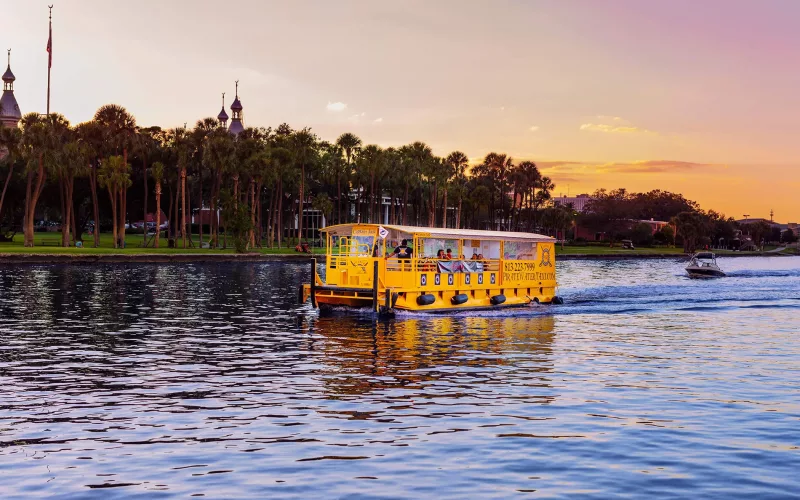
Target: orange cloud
x=653 y=166
x=612 y=129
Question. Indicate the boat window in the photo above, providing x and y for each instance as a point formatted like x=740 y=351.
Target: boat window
x=362 y=245
x=395 y=239
x=489 y=249
x=519 y=250
x=431 y=246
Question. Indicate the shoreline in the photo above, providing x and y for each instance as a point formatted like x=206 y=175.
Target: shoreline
x=10 y=259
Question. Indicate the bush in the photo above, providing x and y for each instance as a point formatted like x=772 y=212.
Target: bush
x=239 y=224
x=642 y=235
x=667 y=234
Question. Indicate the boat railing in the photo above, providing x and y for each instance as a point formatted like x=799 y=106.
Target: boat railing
x=408 y=273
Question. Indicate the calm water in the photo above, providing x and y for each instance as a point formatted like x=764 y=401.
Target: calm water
x=180 y=380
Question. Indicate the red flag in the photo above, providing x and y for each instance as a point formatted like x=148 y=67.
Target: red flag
x=50 y=49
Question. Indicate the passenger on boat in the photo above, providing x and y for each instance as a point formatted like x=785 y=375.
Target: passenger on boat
x=440 y=255
x=401 y=252
x=474 y=255
x=449 y=255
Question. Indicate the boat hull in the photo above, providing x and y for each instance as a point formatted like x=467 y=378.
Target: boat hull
x=704 y=273
x=443 y=300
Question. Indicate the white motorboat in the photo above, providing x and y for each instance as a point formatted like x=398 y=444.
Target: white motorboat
x=704 y=265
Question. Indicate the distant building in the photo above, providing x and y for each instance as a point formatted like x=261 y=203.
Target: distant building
x=223 y=116
x=753 y=220
x=10 y=114
x=589 y=234
x=578 y=202
x=793 y=226
x=236 y=126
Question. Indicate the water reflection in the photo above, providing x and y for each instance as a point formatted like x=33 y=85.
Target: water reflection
x=210 y=380
x=364 y=355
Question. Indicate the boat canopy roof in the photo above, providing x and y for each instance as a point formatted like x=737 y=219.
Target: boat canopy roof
x=440 y=232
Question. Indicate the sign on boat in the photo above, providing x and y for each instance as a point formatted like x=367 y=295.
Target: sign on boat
x=388 y=267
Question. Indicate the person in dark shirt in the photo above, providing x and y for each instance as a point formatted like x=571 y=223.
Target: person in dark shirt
x=402 y=252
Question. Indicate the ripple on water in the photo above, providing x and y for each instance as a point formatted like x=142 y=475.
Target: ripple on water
x=209 y=380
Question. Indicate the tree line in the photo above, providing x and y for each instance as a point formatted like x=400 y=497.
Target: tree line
x=612 y=212
x=265 y=182
x=110 y=171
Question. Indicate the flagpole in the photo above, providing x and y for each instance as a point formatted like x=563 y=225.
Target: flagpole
x=49 y=57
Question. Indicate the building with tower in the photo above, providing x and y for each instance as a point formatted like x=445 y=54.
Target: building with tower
x=236 y=114
x=10 y=114
x=223 y=116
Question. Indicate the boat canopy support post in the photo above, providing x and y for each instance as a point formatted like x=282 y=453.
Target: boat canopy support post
x=375 y=285
x=314 y=282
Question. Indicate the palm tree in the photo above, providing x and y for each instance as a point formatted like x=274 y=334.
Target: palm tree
x=530 y=179
x=371 y=166
x=432 y=169
x=120 y=129
x=302 y=143
x=180 y=144
x=498 y=166
x=114 y=175
x=518 y=178
x=218 y=155
x=157 y=171
x=43 y=138
x=10 y=139
x=448 y=172
x=392 y=179
x=146 y=146
x=458 y=161
x=545 y=186
x=419 y=156
x=350 y=144
x=200 y=136
x=281 y=159
x=329 y=164
x=478 y=198
x=90 y=134
x=74 y=164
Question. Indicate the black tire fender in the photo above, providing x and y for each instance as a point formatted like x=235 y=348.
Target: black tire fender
x=459 y=299
x=426 y=299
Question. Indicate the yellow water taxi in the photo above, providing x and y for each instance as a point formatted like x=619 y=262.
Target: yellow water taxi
x=388 y=267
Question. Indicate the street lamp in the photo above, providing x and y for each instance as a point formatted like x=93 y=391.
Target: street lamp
x=746 y=223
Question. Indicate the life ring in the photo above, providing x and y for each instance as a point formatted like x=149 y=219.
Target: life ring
x=426 y=299
x=459 y=299
x=497 y=299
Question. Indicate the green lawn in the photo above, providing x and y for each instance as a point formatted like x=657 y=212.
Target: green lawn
x=133 y=245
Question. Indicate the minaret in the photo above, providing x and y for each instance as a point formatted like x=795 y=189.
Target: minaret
x=236 y=111
x=9 y=109
x=223 y=116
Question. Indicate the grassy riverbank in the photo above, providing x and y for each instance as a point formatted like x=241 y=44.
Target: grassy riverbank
x=133 y=247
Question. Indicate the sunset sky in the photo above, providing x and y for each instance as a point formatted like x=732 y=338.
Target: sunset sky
x=697 y=97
